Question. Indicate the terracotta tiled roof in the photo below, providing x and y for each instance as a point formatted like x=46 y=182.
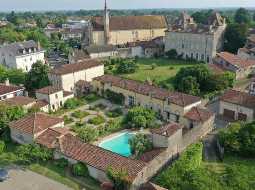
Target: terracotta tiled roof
x=71 y=68
x=216 y=69
x=48 y=90
x=40 y=104
x=167 y=130
x=239 y=98
x=131 y=22
x=198 y=114
x=5 y=89
x=67 y=93
x=150 y=155
x=35 y=123
x=235 y=60
x=83 y=83
x=97 y=157
x=20 y=101
x=50 y=137
x=149 y=90
x=151 y=186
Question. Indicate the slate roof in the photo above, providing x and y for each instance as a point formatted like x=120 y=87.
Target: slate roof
x=235 y=60
x=239 y=98
x=97 y=157
x=177 y=98
x=167 y=130
x=131 y=22
x=35 y=123
x=198 y=114
x=18 y=47
x=6 y=89
x=71 y=68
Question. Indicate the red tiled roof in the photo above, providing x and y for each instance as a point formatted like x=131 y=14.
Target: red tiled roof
x=67 y=93
x=131 y=22
x=40 y=104
x=216 y=69
x=198 y=114
x=35 y=123
x=5 y=89
x=50 y=137
x=97 y=157
x=48 y=90
x=235 y=60
x=71 y=68
x=20 y=101
x=150 y=155
x=239 y=98
x=177 y=98
x=151 y=186
x=167 y=130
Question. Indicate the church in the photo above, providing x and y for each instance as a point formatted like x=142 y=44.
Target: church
x=117 y=30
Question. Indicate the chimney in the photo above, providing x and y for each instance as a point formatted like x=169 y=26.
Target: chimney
x=7 y=82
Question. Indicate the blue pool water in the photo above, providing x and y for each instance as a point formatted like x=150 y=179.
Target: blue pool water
x=118 y=144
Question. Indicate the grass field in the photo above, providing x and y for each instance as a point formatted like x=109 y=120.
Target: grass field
x=165 y=70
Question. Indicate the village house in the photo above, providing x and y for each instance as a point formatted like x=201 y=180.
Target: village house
x=55 y=97
x=101 y=51
x=27 y=103
x=66 y=76
x=71 y=33
x=21 y=55
x=196 y=41
x=9 y=91
x=27 y=129
x=172 y=106
x=117 y=30
x=236 y=105
x=77 y=55
x=233 y=63
x=248 y=51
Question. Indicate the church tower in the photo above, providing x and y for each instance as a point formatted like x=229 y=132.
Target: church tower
x=106 y=24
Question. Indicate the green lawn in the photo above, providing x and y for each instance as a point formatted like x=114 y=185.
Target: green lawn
x=165 y=69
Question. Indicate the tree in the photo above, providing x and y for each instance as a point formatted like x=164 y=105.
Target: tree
x=242 y=16
x=2 y=146
x=254 y=17
x=202 y=16
x=172 y=54
x=80 y=169
x=119 y=178
x=37 y=77
x=235 y=37
x=126 y=66
x=189 y=85
x=15 y=76
x=86 y=133
x=140 y=117
x=140 y=144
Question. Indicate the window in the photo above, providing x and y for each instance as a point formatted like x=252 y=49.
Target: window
x=208 y=59
x=56 y=96
x=26 y=68
x=31 y=58
x=202 y=57
x=191 y=56
x=197 y=56
x=191 y=125
x=182 y=46
x=131 y=101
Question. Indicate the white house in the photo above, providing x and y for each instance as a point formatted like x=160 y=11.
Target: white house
x=21 y=55
x=9 y=91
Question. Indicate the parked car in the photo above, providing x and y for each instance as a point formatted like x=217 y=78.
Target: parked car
x=3 y=175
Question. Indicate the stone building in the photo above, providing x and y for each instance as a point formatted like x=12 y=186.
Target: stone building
x=66 y=76
x=248 y=51
x=21 y=55
x=196 y=41
x=123 y=29
x=172 y=106
x=9 y=91
x=242 y=67
x=55 y=97
x=236 y=105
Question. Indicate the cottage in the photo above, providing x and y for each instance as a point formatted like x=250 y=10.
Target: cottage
x=21 y=55
x=66 y=76
x=172 y=106
x=54 y=96
x=196 y=41
x=9 y=91
x=236 y=105
x=27 y=129
x=230 y=62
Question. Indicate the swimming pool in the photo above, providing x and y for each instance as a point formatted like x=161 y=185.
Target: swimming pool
x=118 y=144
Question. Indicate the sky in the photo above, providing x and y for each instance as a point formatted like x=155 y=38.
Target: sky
x=34 y=5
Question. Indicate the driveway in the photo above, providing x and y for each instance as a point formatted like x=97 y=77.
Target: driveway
x=27 y=180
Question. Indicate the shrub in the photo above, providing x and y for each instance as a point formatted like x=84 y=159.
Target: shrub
x=140 y=144
x=138 y=117
x=86 y=133
x=72 y=103
x=115 y=113
x=80 y=169
x=80 y=114
x=68 y=120
x=91 y=97
x=172 y=54
x=97 y=120
x=153 y=66
x=2 y=146
x=126 y=66
x=119 y=178
x=61 y=163
x=171 y=68
x=101 y=106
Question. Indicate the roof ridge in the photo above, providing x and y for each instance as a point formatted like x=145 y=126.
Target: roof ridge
x=34 y=124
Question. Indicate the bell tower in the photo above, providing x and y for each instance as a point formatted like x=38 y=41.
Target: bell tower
x=106 y=24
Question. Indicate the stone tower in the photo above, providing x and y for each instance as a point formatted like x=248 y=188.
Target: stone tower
x=106 y=24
